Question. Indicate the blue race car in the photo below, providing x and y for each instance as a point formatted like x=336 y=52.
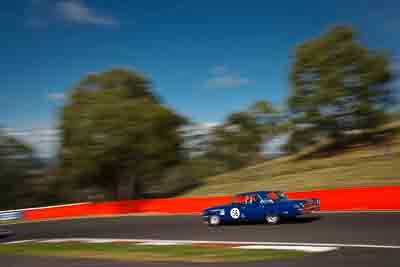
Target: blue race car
x=268 y=206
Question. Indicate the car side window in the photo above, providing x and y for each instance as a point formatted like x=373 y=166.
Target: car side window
x=259 y=199
x=240 y=199
x=247 y=199
x=273 y=196
x=251 y=199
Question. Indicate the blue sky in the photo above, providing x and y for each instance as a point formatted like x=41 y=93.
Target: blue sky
x=205 y=58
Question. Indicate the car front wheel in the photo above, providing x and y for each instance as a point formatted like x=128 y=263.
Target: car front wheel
x=214 y=220
x=272 y=218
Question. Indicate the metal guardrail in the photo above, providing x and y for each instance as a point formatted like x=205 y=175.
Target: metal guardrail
x=11 y=215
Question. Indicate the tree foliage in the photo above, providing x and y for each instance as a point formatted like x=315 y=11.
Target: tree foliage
x=338 y=84
x=262 y=107
x=116 y=133
x=17 y=161
x=237 y=142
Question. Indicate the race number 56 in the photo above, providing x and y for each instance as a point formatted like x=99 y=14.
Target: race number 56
x=235 y=213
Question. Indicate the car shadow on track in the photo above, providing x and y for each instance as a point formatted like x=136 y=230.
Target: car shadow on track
x=299 y=220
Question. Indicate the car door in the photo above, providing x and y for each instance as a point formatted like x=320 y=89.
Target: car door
x=252 y=209
x=270 y=205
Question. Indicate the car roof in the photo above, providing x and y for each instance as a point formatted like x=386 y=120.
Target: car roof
x=257 y=192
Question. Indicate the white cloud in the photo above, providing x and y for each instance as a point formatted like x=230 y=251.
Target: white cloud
x=77 y=12
x=44 y=141
x=218 y=70
x=222 y=78
x=228 y=81
x=275 y=145
x=57 y=96
x=42 y=13
x=209 y=124
x=204 y=126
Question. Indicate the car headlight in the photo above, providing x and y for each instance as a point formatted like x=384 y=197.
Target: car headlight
x=221 y=212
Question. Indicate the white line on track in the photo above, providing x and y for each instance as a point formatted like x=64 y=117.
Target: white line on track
x=188 y=242
x=20 y=241
x=297 y=248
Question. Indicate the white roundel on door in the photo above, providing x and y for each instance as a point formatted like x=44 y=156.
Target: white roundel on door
x=235 y=213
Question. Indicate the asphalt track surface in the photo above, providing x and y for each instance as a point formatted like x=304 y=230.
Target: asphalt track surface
x=343 y=228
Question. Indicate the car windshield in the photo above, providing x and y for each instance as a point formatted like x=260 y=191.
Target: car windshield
x=253 y=198
x=282 y=196
x=276 y=196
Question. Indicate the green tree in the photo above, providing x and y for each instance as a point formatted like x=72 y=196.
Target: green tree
x=272 y=121
x=17 y=161
x=338 y=84
x=237 y=142
x=262 y=107
x=117 y=135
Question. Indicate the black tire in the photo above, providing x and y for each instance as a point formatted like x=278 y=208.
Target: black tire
x=272 y=218
x=214 y=220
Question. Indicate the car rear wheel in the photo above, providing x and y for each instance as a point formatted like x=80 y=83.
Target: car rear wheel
x=272 y=218
x=214 y=220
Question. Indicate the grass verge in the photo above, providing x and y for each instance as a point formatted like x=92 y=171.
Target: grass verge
x=357 y=165
x=132 y=252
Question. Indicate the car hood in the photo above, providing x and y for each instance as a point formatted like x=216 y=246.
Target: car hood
x=218 y=207
x=226 y=206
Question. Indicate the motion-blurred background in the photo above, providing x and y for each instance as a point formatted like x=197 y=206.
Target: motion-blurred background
x=211 y=99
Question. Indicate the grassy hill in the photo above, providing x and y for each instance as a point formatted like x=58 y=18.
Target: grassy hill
x=372 y=163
